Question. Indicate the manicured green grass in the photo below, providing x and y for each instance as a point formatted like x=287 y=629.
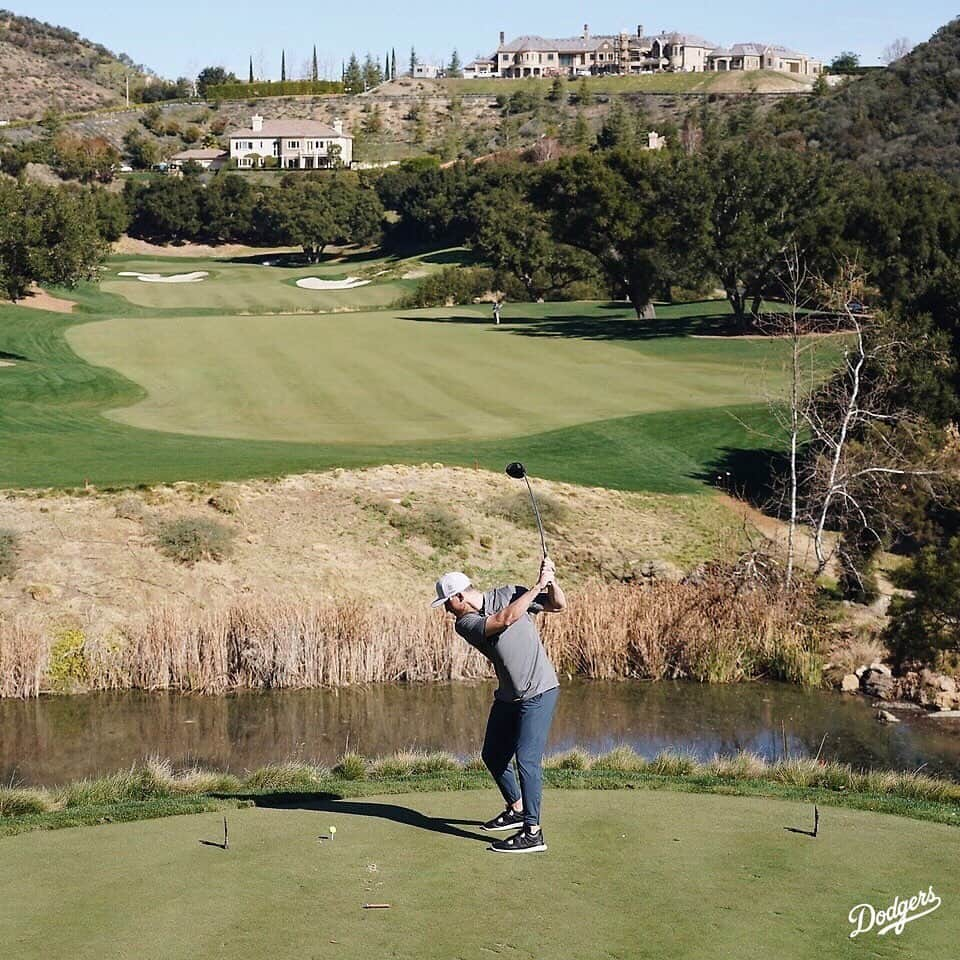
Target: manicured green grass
x=630 y=873
x=196 y=390
x=678 y=83
x=413 y=376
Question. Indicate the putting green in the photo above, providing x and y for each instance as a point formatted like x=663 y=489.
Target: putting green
x=629 y=874
x=396 y=377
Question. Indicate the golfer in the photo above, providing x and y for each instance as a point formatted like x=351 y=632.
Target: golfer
x=499 y=623
x=497 y=307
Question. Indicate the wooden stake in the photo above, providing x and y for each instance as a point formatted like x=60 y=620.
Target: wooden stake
x=376 y=906
x=816 y=820
x=226 y=838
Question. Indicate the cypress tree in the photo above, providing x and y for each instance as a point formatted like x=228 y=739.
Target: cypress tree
x=413 y=61
x=283 y=66
x=251 y=71
x=393 y=64
x=316 y=73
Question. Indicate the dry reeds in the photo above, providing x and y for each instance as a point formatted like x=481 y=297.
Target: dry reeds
x=708 y=631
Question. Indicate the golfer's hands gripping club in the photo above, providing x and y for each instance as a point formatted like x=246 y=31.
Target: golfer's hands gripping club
x=548 y=573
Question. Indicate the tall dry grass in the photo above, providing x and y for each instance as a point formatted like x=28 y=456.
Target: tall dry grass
x=709 y=631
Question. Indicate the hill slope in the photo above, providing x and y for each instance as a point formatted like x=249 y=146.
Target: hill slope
x=905 y=116
x=43 y=66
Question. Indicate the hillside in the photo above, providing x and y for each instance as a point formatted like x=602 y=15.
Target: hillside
x=906 y=116
x=43 y=66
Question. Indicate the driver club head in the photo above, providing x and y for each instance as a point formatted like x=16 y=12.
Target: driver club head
x=516 y=470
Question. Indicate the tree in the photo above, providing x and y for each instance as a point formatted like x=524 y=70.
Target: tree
x=212 y=76
x=556 y=91
x=372 y=74
x=316 y=212
x=515 y=236
x=393 y=64
x=250 y=77
x=314 y=69
x=618 y=129
x=638 y=213
x=584 y=95
x=896 y=50
x=413 y=61
x=353 y=76
x=227 y=208
x=844 y=62
x=166 y=209
x=142 y=151
x=455 y=67
x=84 y=158
x=927 y=623
x=47 y=235
x=283 y=66
x=761 y=203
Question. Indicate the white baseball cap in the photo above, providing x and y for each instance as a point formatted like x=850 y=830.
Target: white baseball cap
x=449 y=585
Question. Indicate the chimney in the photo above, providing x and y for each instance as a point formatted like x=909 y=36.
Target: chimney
x=640 y=30
x=257 y=123
x=586 y=31
x=503 y=38
x=338 y=125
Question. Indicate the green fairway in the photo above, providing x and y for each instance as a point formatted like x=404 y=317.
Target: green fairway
x=231 y=379
x=629 y=874
x=391 y=377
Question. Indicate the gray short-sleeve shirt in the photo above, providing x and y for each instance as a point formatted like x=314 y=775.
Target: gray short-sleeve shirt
x=517 y=653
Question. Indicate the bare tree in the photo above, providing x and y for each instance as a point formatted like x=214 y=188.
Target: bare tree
x=896 y=50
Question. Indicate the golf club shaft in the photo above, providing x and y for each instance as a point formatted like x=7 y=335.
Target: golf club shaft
x=536 y=510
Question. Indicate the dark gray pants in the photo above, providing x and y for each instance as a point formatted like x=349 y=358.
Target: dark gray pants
x=520 y=728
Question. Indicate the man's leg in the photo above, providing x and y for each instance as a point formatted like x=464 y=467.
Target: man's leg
x=536 y=715
x=499 y=746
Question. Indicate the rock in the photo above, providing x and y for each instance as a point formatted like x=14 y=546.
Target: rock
x=850 y=683
x=860 y=671
x=885 y=716
x=947 y=715
x=877 y=684
x=881 y=668
x=947 y=684
x=905 y=705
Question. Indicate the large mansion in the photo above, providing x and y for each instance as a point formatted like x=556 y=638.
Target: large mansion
x=628 y=53
x=295 y=144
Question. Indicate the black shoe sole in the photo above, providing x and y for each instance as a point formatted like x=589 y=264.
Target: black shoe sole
x=507 y=826
x=541 y=848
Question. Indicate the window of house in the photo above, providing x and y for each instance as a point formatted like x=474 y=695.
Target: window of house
x=293 y=144
x=549 y=56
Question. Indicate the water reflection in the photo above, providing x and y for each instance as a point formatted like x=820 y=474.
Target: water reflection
x=58 y=739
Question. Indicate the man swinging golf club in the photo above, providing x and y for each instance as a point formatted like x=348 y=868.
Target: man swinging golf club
x=499 y=623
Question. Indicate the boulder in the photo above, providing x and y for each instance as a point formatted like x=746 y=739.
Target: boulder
x=881 y=668
x=875 y=683
x=850 y=683
x=885 y=716
x=860 y=671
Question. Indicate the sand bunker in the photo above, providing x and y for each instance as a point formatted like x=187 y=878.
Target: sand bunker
x=415 y=274
x=315 y=283
x=6 y=363
x=159 y=278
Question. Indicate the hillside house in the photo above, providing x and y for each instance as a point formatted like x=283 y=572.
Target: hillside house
x=635 y=53
x=294 y=144
x=208 y=159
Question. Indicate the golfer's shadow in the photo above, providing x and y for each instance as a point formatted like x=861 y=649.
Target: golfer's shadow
x=334 y=803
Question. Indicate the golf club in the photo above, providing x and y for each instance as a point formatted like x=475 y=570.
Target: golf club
x=518 y=471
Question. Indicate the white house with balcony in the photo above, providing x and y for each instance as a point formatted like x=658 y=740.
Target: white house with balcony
x=294 y=144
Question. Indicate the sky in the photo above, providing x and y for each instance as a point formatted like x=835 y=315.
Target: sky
x=180 y=37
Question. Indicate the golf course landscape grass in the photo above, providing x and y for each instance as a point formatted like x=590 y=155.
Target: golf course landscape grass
x=643 y=867
x=242 y=374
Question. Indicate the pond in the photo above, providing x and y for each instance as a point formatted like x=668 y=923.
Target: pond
x=57 y=739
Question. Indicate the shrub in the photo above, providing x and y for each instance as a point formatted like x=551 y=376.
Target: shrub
x=451 y=286
x=9 y=553
x=516 y=508
x=67 y=669
x=437 y=525
x=129 y=508
x=17 y=801
x=351 y=766
x=225 y=502
x=190 y=539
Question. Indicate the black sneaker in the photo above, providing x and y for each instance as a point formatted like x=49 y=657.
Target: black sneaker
x=508 y=820
x=523 y=842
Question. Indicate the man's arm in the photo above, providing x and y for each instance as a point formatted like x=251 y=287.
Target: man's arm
x=555 y=598
x=498 y=622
